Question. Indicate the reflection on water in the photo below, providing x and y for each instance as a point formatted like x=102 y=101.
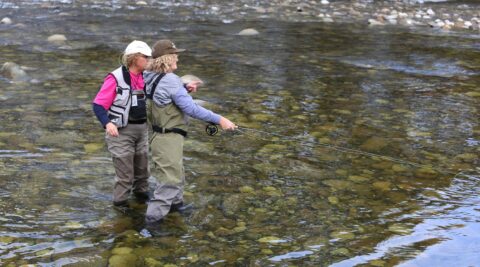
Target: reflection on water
x=281 y=191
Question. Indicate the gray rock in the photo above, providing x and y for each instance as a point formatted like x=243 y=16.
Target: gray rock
x=14 y=72
x=374 y=22
x=6 y=20
x=57 y=39
x=248 y=32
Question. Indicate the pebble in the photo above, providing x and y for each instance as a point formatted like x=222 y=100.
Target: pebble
x=141 y=3
x=374 y=22
x=248 y=32
x=57 y=39
x=324 y=2
x=14 y=72
x=6 y=21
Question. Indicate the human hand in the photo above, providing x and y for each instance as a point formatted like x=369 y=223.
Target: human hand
x=111 y=129
x=193 y=86
x=226 y=124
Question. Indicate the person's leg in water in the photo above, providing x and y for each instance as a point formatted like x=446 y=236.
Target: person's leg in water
x=167 y=168
x=123 y=153
x=140 y=162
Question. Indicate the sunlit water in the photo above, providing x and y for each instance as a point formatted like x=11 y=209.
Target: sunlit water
x=294 y=186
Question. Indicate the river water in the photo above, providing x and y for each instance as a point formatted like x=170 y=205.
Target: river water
x=358 y=147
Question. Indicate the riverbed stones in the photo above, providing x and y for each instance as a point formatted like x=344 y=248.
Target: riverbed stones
x=400 y=229
x=58 y=39
x=122 y=260
x=6 y=21
x=248 y=32
x=270 y=240
x=14 y=72
x=374 y=144
x=343 y=235
x=382 y=186
x=246 y=189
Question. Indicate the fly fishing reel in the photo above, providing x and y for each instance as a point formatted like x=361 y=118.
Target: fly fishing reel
x=211 y=129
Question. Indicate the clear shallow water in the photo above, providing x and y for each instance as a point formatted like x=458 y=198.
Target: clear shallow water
x=278 y=199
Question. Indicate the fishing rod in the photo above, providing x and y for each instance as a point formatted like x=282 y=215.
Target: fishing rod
x=212 y=129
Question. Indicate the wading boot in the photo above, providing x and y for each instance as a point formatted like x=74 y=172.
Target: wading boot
x=121 y=206
x=142 y=197
x=184 y=209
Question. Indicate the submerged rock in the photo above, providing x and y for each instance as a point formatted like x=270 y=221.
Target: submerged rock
x=6 y=21
x=14 y=72
x=374 y=144
x=57 y=39
x=248 y=32
x=123 y=260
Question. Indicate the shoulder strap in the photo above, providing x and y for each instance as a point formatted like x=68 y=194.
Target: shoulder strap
x=126 y=76
x=154 y=85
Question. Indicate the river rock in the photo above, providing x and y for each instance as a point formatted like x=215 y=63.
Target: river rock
x=141 y=3
x=57 y=39
x=374 y=22
x=6 y=21
x=122 y=250
x=124 y=260
x=14 y=72
x=383 y=186
x=399 y=229
x=248 y=32
x=374 y=144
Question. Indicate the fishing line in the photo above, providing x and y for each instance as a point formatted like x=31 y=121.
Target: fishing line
x=284 y=138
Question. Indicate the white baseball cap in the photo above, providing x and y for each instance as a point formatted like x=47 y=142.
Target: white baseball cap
x=138 y=47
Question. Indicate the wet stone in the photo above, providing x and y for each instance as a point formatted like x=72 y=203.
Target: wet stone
x=122 y=250
x=358 y=178
x=92 y=148
x=340 y=252
x=246 y=189
x=342 y=235
x=426 y=172
x=122 y=260
x=374 y=144
x=333 y=200
x=248 y=32
x=399 y=168
x=338 y=184
x=6 y=21
x=57 y=39
x=399 y=229
x=383 y=186
x=467 y=157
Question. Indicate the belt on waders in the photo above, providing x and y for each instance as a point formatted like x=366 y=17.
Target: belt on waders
x=158 y=129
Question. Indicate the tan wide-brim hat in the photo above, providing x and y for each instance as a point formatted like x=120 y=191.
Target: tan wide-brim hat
x=165 y=47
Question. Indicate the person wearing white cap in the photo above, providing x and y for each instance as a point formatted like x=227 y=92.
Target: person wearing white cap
x=121 y=109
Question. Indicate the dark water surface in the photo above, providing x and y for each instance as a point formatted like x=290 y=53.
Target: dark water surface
x=280 y=192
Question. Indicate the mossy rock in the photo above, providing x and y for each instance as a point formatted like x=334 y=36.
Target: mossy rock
x=92 y=148
x=383 y=186
x=122 y=251
x=374 y=144
x=123 y=260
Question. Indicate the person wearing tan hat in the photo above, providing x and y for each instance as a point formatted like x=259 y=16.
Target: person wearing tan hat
x=168 y=107
x=120 y=107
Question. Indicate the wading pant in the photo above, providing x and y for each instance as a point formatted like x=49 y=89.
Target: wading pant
x=130 y=159
x=167 y=167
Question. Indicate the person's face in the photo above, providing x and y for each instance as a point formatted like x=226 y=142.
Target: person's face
x=141 y=62
x=173 y=66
